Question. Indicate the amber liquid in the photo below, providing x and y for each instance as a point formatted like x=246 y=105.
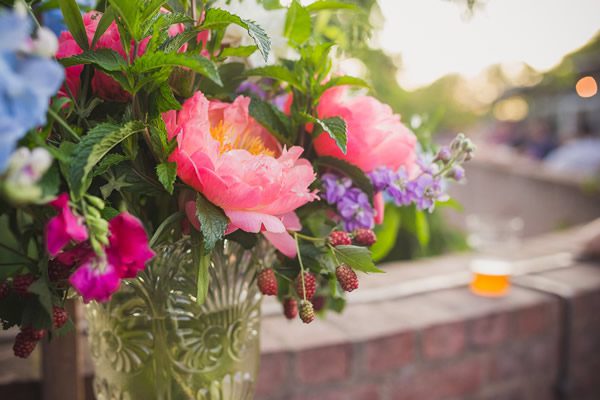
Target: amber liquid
x=490 y=285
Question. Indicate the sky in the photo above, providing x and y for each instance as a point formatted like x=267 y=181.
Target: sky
x=435 y=38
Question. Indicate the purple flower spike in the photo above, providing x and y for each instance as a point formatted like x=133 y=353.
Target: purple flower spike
x=356 y=210
x=381 y=178
x=335 y=187
x=427 y=190
x=398 y=189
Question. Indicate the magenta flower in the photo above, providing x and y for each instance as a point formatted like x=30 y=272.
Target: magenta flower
x=128 y=248
x=65 y=227
x=95 y=280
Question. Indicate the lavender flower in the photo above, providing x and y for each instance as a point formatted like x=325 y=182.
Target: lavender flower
x=381 y=178
x=355 y=210
x=457 y=173
x=335 y=187
x=250 y=88
x=427 y=189
x=398 y=189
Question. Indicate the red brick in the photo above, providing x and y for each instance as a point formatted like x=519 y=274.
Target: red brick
x=365 y=392
x=461 y=378
x=538 y=357
x=326 y=364
x=490 y=331
x=273 y=373
x=443 y=341
x=390 y=352
x=536 y=320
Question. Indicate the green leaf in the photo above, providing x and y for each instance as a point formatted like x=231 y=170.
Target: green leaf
x=330 y=5
x=357 y=257
x=107 y=162
x=344 y=80
x=72 y=16
x=128 y=10
x=334 y=126
x=276 y=72
x=422 y=228
x=271 y=118
x=213 y=221
x=40 y=288
x=163 y=100
x=386 y=233
x=167 y=173
x=197 y=63
x=353 y=172
x=105 y=59
x=241 y=51
x=50 y=182
x=107 y=18
x=298 y=25
x=217 y=18
x=93 y=147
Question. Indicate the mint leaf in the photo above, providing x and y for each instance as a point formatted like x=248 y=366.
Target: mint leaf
x=298 y=25
x=213 y=221
x=269 y=116
x=72 y=16
x=167 y=173
x=152 y=61
x=357 y=257
x=334 y=126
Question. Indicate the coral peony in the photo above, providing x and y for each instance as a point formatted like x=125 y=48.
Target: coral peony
x=236 y=164
x=376 y=137
x=64 y=227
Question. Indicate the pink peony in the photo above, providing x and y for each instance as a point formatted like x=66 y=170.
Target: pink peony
x=236 y=164
x=128 y=248
x=376 y=137
x=64 y=227
x=126 y=254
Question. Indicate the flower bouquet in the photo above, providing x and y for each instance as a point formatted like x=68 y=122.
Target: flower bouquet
x=170 y=174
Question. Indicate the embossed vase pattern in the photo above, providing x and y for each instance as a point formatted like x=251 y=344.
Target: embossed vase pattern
x=153 y=341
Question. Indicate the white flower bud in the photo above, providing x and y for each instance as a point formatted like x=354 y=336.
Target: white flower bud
x=46 y=43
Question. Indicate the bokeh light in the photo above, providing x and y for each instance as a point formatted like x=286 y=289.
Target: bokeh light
x=586 y=87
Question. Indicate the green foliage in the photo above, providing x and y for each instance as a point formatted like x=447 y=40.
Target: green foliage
x=331 y=5
x=93 y=147
x=106 y=59
x=276 y=72
x=72 y=16
x=386 y=233
x=152 y=61
x=107 y=18
x=357 y=257
x=334 y=126
x=219 y=19
x=298 y=27
x=271 y=118
x=213 y=222
x=167 y=173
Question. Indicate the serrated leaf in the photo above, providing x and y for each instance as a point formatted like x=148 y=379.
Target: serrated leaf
x=72 y=17
x=107 y=18
x=213 y=221
x=335 y=128
x=241 y=51
x=298 y=25
x=218 y=18
x=276 y=72
x=353 y=172
x=93 y=147
x=50 y=182
x=128 y=10
x=105 y=59
x=202 y=65
x=164 y=100
x=276 y=122
x=167 y=173
x=357 y=257
x=107 y=162
x=40 y=288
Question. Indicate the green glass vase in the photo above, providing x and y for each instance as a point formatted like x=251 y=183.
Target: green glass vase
x=152 y=340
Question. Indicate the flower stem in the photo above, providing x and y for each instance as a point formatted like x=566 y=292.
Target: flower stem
x=18 y=253
x=301 y=265
x=308 y=238
x=64 y=124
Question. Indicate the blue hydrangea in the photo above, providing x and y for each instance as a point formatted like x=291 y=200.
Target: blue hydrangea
x=26 y=83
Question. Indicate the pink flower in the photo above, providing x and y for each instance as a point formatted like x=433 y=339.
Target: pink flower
x=64 y=227
x=236 y=164
x=95 y=280
x=103 y=85
x=376 y=137
x=128 y=248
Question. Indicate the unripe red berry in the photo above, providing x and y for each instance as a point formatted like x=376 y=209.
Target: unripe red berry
x=339 y=238
x=346 y=277
x=267 y=282
x=310 y=283
x=21 y=283
x=24 y=345
x=364 y=237
x=307 y=314
x=58 y=271
x=318 y=303
x=59 y=317
x=32 y=333
x=290 y=308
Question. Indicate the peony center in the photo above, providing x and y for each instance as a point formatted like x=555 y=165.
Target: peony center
x=230 y=140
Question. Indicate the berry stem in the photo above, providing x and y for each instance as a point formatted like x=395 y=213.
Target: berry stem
x=301 y=265
x=308 y=238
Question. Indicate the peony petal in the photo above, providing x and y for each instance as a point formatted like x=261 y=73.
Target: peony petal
x=255 y=222
x=284 y=242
